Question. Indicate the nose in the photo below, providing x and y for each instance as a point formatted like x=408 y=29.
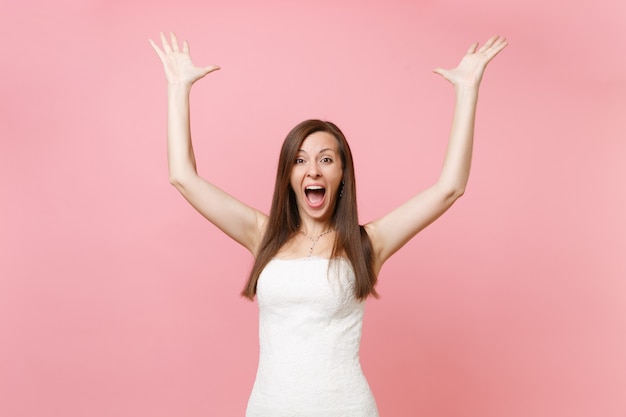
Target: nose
x=313 y=170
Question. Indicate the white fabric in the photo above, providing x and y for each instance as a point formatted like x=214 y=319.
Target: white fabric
x=309 y=334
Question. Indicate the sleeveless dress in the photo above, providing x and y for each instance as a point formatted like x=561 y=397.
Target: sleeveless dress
x=309 y=336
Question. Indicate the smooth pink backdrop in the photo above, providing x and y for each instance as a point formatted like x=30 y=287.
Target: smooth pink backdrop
x=117 y=299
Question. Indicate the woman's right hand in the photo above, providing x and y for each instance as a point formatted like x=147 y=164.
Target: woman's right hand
x=179 y=69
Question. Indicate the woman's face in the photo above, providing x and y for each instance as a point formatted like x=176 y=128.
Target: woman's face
x=316 y=176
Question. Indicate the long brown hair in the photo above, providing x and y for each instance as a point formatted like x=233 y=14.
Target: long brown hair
x=351 y=239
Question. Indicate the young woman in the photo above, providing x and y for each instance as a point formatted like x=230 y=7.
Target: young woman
x=314 y=264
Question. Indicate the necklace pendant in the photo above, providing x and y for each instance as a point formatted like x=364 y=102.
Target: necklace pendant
x=314 y=240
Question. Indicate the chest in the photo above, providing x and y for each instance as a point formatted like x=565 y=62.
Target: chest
x=304 y=246
x=315 y=286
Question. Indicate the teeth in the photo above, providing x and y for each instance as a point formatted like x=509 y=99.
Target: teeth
x=314 y=187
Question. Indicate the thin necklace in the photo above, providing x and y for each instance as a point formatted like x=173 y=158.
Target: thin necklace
x=314 y=240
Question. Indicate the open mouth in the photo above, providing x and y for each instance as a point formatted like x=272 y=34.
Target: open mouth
x=315 y=194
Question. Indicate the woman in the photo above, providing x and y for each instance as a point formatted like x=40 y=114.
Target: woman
x=314 y=264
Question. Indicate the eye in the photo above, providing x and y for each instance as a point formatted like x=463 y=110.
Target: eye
x=326 y=160
x=299 y=161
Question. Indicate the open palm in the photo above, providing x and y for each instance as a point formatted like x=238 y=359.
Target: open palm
x=470 y=70
x=179 y=69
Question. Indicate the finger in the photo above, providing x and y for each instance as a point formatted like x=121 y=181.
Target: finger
x=472 y=48
x=498 y=41
x=174 y=41
x=495 y=49
x=488 y=44
x=166 y=46
x=186 y=47
x=156 y=48
x=503 y=43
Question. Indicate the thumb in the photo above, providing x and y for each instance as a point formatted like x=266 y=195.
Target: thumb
x=210 y=69
x=441 y=71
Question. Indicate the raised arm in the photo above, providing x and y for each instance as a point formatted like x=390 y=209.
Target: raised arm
x=392 y=231
x=239 y=221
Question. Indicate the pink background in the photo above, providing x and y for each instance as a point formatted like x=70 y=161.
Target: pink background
x=117 y=299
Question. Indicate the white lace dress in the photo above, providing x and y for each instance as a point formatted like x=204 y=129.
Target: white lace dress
x=309 y=335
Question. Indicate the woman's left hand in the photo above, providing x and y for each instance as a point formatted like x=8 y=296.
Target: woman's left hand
x=470 y=70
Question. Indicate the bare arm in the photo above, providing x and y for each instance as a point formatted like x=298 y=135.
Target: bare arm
x=242 y=223
x=394 y=230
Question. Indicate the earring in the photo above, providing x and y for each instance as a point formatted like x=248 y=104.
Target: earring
x=341 y=190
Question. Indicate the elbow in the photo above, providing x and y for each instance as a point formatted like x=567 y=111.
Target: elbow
x=458 y=193
x=174 y=181
x=451 y=189
x=454 y=193
x=181 y=175
x=178 y=182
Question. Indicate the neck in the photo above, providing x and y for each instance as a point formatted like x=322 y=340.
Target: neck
x=314 y=229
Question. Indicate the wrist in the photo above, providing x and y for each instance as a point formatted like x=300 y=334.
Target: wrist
x=469 y=91
x=179 y=88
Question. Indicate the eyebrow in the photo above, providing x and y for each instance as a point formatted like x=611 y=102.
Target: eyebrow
x=321 y=150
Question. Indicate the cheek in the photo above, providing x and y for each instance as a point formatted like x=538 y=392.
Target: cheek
x=337 y=176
